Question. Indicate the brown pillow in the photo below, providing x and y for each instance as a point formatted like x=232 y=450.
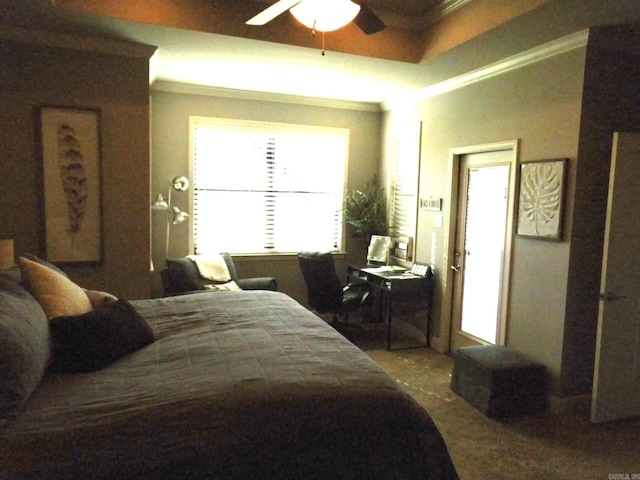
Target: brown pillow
x=56 y=294
x=91 y=341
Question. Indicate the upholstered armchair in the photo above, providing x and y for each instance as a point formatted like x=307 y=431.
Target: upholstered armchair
x=182 y=275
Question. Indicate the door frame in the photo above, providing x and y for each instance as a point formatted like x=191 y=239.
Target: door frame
x=450 y=218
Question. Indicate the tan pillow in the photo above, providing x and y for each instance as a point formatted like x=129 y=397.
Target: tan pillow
x=56 y=294
x=99 y=299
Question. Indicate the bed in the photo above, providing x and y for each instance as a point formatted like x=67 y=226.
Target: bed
x=240 y=384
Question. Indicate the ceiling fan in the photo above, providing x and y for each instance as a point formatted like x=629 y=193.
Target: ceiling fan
x=324 y=15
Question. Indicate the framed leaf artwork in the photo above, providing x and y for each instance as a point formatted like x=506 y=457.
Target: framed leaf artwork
x=541 y=199
x=71 y=184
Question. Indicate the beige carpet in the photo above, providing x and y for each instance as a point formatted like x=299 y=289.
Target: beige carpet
x=539 y=447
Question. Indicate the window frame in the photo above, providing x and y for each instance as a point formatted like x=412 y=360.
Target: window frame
x=260 y=126
x=406 y=144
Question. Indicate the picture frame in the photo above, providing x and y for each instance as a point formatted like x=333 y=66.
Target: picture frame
x=70 y=144
x=541 y=199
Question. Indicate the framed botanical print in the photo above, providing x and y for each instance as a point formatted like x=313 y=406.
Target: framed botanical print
x=71 y=184
x=541 y=199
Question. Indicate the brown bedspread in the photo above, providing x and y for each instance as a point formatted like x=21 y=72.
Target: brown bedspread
x=237 y=385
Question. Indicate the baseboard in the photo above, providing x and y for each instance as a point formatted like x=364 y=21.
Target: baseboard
x=570 y=405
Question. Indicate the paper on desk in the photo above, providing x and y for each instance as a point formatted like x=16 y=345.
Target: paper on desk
x=384 y=268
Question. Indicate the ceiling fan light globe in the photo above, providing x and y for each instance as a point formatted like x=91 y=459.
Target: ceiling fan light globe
x=325 y=15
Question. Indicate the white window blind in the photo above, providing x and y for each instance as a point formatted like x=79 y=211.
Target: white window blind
x=263 y=187
x=405 y=161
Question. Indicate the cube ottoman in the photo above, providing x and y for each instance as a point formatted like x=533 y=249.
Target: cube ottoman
x=499 y=382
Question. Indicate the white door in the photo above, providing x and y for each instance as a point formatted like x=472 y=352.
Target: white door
x=481 y=240
x=616 y=386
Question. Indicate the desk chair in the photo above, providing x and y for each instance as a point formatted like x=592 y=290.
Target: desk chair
x=326 y=294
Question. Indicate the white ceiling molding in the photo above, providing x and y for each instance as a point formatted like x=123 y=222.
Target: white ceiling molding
x=420 y=21
x=449 y=6
x=545 y=51
x=175 y=87
x=534 y=55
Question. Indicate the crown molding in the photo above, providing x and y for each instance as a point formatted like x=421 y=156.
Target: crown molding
x=449 y=6
x=76 y=42
x=189 y=89
x=528 y=57
x=428 y=17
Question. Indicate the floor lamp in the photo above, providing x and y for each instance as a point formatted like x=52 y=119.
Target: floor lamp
x=174 y=215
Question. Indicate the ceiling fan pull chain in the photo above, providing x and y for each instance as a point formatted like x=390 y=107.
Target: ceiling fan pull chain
x=323 y=44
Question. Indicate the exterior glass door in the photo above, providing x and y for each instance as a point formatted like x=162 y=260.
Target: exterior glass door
x=480 y=248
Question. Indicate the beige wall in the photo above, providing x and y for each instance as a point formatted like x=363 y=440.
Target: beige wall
x=170 y=154
x=32 y=75
x=539 y=105
x=567 y=106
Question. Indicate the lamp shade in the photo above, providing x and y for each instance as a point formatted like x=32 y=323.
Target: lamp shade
x=7 y=257
x=160 y=203
x=325 y=15
x=179 y=216
x=180 y=183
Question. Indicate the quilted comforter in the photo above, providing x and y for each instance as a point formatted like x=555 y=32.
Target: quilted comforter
x=237 y=385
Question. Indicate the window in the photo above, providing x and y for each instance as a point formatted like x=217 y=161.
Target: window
x=265 y=187
x=405 y=161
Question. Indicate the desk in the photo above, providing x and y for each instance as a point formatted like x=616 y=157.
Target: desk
x=391 y=281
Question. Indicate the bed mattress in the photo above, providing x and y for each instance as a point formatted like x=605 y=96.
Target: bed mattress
x=237 y=385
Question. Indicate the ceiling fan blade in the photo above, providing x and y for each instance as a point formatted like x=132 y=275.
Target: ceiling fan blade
x=368 y=21
x=272 y=12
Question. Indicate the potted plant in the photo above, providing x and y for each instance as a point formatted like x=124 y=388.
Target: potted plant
x=364 y=209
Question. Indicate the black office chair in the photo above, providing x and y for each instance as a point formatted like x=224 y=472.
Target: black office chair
x=326 y=294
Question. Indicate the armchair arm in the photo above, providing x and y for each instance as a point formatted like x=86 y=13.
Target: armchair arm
x=258 y=283
x=182 y=276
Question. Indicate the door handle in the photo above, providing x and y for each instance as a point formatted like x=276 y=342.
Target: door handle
x=455 y=268
x=611 y=297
